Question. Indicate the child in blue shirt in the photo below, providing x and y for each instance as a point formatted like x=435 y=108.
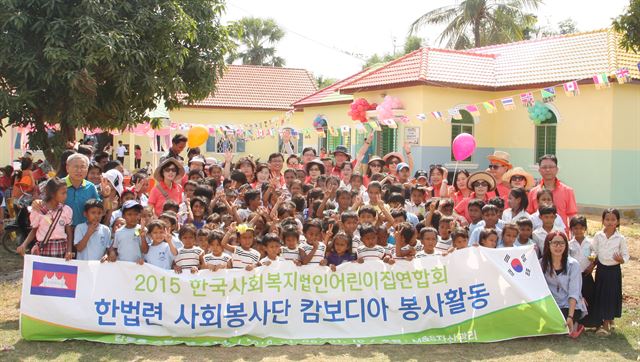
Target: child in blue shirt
x=161 y=252
x=127 y=241
x=91 y=238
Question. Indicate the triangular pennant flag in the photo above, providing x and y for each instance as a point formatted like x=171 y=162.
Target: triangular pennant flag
x=374 y=126
x=601 y=81
x=623 y=76
x=490 y=106
x=421 y=117
x=527 y=99
x=571 y=88
x=454 y=113
x=508 y=103
x=345 y=130
x=473 y=109
x=548 y=94
x=389 y=123
x=437 y=115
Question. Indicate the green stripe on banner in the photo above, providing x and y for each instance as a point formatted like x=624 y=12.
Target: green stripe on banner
x=513 y=322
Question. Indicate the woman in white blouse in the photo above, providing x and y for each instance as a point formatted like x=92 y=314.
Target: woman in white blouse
x=518 y=203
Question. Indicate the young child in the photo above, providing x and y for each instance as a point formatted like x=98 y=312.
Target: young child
x=272 y=246
x=171 y=220
x=127 y=242
x=416 y=204
x=489 y=221
x=444 y=234
x=91 y=238
x=406 y=241
x=202 y=239
x=545 y=198
x=474 y=210
x=369 y=248
x=349 y=225
x=610 y=249
x=581 y=250
x=525 y=230
x=548 y=216
x=59 y=242
x=489 y=238
x=190 y=256
x=509 y=235
x=243 y=256
x=339 y=250
x=199 y=211
x=291 y=249
x=216 y=259
x=314 y=248
x=460 y=238
x=428 y=239
x=161 y=252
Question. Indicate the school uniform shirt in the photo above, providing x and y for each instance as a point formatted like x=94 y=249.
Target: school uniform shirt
x=443 y=245
x=529 y=242
x=605 y=247
x=474 y=238
x=539 y=235
x=159 y=255
x=42 y=221
x=564 y=200
x=581 y=252
x=421 y=254
x=567 y=284
x=188 y=258
x=128 y=244
x=97 y=245
x=290 y=254
x=176 y=241
x=377 y=252
x=266 y=260
x=537 y=222
x=241 y=258
x=507 y=215
x=415 y=209
x=318 y=256
x=213 y=260
x=472 y=227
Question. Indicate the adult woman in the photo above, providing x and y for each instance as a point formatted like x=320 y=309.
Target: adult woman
x=392 y=159
x=459 y=190
x=167 y=176
x=24 y=182
x=518 y=203
x=564 y=278
x=346 y=170
x=438 y=181
x=314 y=169
x=247 y=167
x=262 y=176
x=481 y=183
x=375 y=165
x=293 y=162
x=518 y=177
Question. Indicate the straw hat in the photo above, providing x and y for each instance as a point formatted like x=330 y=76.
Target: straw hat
x=392 y=154
x=376 y=159
x=519 y=171
x=315 y=161
x=501 y=157
x=157 y=175
x=481 y=176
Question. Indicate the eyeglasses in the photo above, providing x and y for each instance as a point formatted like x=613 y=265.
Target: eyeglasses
x=495 y=167
x=547 y=167
x=517 y=178
x=556 y=242
x=171 y=169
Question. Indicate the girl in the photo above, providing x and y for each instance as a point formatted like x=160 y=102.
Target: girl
x=168 y=176
x=459 y=190
x=190 y=256
x=137 y=151
x=24 y=184
x=346 y=170
x=52 y=224
x=610 y=249
x=198 y=212
x=339 y=249
x=161 y=252
x=564 y=279
x=243 y=256
x=545 y=198
x=94 y=174
x=518 y=203
x=489 y=238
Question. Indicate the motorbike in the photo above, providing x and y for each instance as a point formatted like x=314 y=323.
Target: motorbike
x=16 y=230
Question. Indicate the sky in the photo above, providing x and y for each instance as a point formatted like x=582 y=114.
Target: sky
x=319 y=34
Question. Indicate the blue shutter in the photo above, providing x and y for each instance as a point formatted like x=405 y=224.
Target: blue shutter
x=211 y=144
x=240 y=146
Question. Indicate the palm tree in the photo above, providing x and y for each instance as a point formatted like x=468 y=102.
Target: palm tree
x=474 y=23
x=257 y=39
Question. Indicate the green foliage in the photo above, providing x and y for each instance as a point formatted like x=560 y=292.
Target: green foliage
x=629 y=25
x=475 y=23
x=411 y=43
x=567 y=26
x=74 y=64
x=257 y=39
x=322 y=82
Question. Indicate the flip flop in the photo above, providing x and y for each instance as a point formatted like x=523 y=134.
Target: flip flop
x=577 y=332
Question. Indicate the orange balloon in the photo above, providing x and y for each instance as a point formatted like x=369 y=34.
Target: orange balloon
x=197 y=136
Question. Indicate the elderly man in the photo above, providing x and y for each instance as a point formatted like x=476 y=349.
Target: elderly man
x=564 y=198
x=178 y=144
x=498 y=165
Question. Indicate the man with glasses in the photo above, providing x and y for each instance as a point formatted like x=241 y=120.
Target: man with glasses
x=498 y=165
x=564 y=198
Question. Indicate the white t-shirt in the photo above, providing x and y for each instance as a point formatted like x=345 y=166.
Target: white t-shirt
x=121 y=151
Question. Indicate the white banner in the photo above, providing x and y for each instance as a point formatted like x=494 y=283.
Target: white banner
x=472 y=295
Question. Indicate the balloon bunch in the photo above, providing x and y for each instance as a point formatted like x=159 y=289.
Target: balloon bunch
x=539 y=113
x=359 y=108
x=319 y=121
x=385 y=109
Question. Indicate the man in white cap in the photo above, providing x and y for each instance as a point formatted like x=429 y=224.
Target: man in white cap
x=498 y=165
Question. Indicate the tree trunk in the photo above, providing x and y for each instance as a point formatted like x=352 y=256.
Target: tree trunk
x=476 y=33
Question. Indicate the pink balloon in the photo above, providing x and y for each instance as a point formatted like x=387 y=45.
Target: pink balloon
x=463 y=146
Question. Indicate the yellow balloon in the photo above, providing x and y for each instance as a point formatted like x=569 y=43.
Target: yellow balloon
x=197 y=136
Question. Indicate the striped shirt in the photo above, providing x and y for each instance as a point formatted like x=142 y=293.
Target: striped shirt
x=318 y=256
x=422 y=254
x=443 y=245
x=290 y=254
x=377 y=252
x=213 y=260
x=188 y=258
x=241 y=258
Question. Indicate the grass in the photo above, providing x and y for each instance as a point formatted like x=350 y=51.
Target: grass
x=624 y=343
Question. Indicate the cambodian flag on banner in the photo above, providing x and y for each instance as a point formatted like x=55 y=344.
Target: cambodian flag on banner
x=55 y=280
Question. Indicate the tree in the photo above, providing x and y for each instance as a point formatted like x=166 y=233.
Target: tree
x=72 y=64
x=411 y=43
x=322 y=82
x=629 y=25
x=475 y=23
x=257 y=38
x=567 y=26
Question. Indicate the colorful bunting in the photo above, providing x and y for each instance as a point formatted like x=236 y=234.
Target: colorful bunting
x=332 y=131
x=571 y=88
x=345 y=130
x=508 y=103
x=454 y=113
x=623 y=76
x=527 y=99
x=473 y=109
x=601 y=81
x=389 y=123
x=548 y=94
x=437 y=115
x=421 y=117
x=374 y=126
x=490 y=106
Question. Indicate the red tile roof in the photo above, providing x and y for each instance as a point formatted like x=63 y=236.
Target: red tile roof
x=504 y=66
x=258 y=87
x=331 y=94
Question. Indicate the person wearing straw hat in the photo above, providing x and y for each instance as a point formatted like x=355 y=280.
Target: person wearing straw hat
x=392 y=159
x=517 y=177
x=314 y=169
x=499 y=164
x=481 y=184
x=375 y=165
x=167 y=175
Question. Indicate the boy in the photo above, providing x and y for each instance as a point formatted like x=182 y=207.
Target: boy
x=349 y=224
x=444 y=234
x=202 y=239
x=416 y=203
x=509 y=235
x=170 y=218
x=252 y=201
x=272 y=246
x=428 y=239
x=126 y=196
x=216 y=259
x=396 y=202
x=490 y=221
x=127 y=241
x=367 y=214
x=313 y=247
x=91 y=238
x=189 y=256
x=406 y=241
x=369 y=248
x=525 y=230
x=548 y=217
x=474 y=209
x=291 y=249
x=460 y=238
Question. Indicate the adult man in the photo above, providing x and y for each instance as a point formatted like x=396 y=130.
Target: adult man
x=341 y=155
x=563 y=196
x=178 y=144
x=276 y=164
x=120 y=152
x=498 y=165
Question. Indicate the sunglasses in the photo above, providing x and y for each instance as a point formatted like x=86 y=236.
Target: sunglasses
x=495 y=167
x=517 y=178
x=481 y=184
x=171 y=169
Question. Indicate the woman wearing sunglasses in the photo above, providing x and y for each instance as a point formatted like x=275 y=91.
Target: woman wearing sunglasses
x=167 y=176
x=481 y=184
